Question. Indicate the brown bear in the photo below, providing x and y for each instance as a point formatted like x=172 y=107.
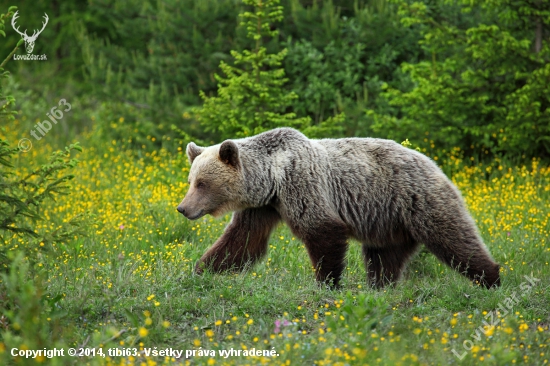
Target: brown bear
x=387 y=196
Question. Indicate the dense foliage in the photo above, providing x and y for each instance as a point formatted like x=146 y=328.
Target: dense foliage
x=251 y=97
x=450 y=73
x=487 y=84
x=23 y=301
x=22 y=196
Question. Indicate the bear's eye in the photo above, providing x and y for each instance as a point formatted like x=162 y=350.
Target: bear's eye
x=201 y=185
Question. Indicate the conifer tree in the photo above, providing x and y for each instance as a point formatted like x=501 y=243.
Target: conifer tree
x=251 y=96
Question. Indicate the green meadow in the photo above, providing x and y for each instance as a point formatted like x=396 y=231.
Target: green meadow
x=129 y=282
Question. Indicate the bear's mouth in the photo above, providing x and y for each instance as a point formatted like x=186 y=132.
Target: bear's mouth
x=194 y=217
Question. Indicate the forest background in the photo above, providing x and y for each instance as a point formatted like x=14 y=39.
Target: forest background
x=467 y=74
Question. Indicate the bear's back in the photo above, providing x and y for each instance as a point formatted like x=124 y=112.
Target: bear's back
x=374 y=183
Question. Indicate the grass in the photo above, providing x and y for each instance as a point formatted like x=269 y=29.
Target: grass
x=129 y=283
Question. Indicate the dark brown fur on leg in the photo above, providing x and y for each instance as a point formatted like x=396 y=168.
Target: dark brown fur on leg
x=243 y=241
x=478 y=266
x=385 y=265
x=460 y=247
x=450 y=233
x=327 y=246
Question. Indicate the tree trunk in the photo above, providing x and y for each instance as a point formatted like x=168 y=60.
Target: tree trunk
x=538 y=36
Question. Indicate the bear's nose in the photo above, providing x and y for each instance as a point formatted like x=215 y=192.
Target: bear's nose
x=181 y=210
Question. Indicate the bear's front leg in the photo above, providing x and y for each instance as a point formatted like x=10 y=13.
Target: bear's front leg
x=326 y=244
x=243 y=241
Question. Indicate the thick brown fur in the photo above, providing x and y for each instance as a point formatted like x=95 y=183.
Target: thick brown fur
x=245 y=240
x=390 y=198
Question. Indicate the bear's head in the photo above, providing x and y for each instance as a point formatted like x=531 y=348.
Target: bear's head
x=216 y=182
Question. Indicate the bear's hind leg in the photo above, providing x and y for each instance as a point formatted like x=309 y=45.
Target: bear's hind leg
x=243 y=241
x=441 y=221
x=456 y=242
x=385 y=265
x=469 y=258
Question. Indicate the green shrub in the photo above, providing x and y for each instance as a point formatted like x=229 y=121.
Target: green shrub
x=29 y=317
x=22 y=194
x=340 y=65
x=251 y=97
x=146 y=72
x=485 y=87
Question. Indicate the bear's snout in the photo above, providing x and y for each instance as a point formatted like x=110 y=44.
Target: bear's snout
x=181 y=210
x=189 y=213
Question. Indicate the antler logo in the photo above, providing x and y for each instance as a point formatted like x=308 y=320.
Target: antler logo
x=29 y=40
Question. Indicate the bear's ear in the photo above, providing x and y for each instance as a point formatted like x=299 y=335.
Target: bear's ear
x=229 y=153
x=193 y=151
